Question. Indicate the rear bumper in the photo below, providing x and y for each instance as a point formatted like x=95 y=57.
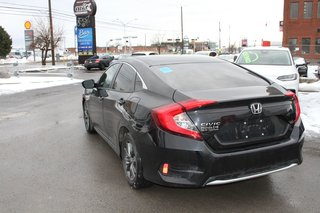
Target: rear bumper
x=194 y=164
x=220 y=182
x=91 y=65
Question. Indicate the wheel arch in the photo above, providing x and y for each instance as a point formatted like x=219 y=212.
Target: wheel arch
x=123 y=130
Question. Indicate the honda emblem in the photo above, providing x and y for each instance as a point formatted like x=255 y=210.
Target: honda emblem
x=256 y=108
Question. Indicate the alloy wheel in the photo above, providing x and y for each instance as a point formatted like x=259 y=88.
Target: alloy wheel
x=130 y=161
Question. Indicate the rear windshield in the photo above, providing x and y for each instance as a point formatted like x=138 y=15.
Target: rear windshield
x=265 y=57
x=94 y=57
x=206 y=76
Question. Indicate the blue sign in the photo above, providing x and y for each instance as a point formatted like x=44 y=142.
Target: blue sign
x=85 y=41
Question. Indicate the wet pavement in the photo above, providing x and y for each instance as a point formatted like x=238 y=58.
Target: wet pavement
x=48 y=163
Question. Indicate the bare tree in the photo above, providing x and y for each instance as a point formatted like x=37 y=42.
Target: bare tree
x=42 y=38
x=157 y=40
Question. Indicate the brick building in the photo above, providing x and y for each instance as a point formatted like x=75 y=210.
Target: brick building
x=301 y=28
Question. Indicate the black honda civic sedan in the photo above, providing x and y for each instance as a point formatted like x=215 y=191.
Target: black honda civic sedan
x=193 y=121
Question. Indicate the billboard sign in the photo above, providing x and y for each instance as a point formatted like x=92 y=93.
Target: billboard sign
x=28 y=38
x=281 y=26
x=244 y=42
x=85 y=8
x=85 y=41
x=85 y=21
x=27 y=25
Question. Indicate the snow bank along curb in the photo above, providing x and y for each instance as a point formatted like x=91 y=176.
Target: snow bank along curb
x=24 y=83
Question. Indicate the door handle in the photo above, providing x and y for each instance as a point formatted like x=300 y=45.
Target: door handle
x=121 y=101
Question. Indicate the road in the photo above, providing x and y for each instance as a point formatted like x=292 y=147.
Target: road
x=48 y=163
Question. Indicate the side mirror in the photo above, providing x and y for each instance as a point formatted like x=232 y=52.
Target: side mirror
x=88 y=84
x=235 y=58
x=302 y=69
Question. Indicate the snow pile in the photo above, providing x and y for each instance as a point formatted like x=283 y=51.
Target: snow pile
x=23 y=83
x=310 y=87
x=310 y=112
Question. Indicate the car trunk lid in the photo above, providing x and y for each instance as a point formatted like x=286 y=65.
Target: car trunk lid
x=243 y=117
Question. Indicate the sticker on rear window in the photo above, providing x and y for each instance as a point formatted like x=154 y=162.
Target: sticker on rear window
x=165 y=69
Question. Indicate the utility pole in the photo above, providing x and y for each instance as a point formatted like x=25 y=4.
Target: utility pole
x=219 y=37
x=182 y=40
x=229 y=50
x=51 y=35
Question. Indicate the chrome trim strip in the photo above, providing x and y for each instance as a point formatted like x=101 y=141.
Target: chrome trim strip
x=220 y=182
x=144 y=86
x=302 y=137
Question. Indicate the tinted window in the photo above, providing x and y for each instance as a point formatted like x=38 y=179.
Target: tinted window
x=292 y=44
x=317 y=45
x=136 y=54
x=305 y=45
x=294 y=9
x=318 y=13
x=307 y=10
x=265 y=57
x=107 y=77
x=206 y=76
x=138 y=84
x=94 y=57
x=125 y=80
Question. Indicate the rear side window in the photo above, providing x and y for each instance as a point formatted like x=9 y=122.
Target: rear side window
x=206 y=76
x=125 y=80
x=265 y=57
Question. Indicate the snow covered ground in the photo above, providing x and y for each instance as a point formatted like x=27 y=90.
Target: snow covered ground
x=31 y=59
x=24 y=83
x=310 y=111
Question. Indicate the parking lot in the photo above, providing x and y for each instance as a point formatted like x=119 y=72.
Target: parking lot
x=50 y=164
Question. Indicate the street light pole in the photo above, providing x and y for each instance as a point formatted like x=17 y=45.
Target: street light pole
x=182 y=40
x=219 y=37
x=124 y=24
x=51 y=34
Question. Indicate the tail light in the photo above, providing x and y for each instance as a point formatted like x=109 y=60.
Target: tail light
x=173 y=117
x=98 y=60
x=296 y=104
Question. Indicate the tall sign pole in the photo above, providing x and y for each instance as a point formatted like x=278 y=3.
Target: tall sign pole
x=29 y=39
x=51 y=35
x=182 y=39
x=85 y=11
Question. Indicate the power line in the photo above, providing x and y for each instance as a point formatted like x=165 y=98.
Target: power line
x=26 y=10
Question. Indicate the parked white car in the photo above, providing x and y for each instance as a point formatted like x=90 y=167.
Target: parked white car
x=144 y=53
x=207 y=52
x=275 y=63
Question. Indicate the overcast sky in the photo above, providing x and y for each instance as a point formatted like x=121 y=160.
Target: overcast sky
x=150 y=19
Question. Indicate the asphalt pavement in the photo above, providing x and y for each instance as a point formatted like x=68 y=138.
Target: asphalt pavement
x=48 y=163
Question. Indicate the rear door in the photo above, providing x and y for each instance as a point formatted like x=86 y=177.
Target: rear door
x=115 y=104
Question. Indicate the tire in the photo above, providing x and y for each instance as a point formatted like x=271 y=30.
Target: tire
x=88 y=68
x=87 y=121
x=131 y=163
x=102 y=67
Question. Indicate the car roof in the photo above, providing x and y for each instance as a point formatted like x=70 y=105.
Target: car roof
x=144 y=52
x=205 y=51
x=266 y=48
x=157 y=60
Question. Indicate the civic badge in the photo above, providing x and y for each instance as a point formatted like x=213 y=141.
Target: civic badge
x=256 y=108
